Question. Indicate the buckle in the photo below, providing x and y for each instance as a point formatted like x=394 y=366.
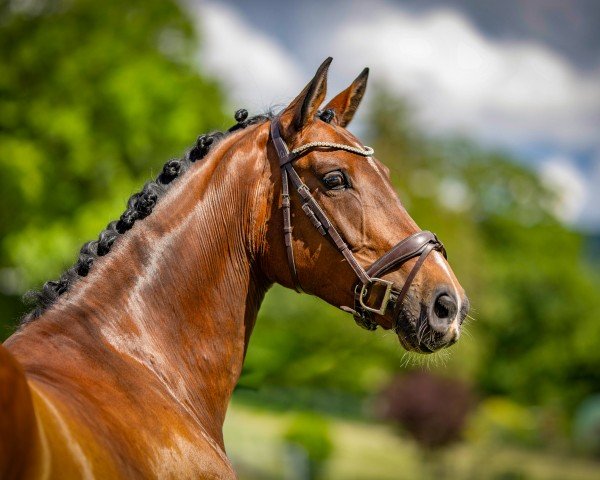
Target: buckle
x=364 y=293
x=439 y=246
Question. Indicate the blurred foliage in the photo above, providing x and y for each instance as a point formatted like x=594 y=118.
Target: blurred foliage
x=535 y=301
x=94 y=96
x=499 y=419
x=586 y=426
x=310 y=432
x=368 y=450
x=432 y=409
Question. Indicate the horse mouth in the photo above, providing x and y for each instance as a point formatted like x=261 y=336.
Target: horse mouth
x=415 y=334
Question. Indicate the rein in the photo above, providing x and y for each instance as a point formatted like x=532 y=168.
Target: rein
x=371 y=293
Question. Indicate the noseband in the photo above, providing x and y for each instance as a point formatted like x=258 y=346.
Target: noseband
x=371 y=293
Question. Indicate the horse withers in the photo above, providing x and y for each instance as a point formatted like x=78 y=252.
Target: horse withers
x=126 y=366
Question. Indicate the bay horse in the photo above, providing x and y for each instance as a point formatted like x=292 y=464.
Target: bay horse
x=126 y=366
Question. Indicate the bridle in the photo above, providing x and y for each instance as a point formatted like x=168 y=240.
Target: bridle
x=372 y=294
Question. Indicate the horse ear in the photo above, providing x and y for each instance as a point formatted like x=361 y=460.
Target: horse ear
x=345 y=103
x=304 y=107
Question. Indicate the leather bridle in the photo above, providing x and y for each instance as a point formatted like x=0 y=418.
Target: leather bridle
x=372 y=294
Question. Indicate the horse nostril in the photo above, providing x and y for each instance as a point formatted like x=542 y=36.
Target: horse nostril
x=443 y=305
x=443 y=312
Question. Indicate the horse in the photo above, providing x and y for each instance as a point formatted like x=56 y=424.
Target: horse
x=126 y=366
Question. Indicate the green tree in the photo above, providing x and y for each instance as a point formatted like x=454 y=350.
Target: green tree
x=535 y=301
x=94 y=97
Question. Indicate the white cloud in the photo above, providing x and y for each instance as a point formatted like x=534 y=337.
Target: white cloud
x=256 y=71
x=506 y=92
x=562 y=176
x=460 y=80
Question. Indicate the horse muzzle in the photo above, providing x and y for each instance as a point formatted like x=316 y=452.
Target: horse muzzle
x=426 y=327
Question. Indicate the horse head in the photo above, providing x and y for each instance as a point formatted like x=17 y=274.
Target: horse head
x=344 y=235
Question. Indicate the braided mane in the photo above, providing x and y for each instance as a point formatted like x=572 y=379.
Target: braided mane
x=139 y=206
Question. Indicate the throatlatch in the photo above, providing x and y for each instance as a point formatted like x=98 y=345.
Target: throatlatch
x=372 y=295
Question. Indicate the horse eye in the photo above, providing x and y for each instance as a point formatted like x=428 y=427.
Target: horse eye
x=335 y=181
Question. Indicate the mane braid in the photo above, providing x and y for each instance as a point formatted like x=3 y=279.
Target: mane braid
x=139 y=206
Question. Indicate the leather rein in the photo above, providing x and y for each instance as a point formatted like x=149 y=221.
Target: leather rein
x=372 y=294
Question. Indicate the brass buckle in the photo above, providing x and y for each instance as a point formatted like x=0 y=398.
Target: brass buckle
x=384 y=301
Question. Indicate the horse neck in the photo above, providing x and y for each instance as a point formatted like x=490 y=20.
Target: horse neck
x=178 y=294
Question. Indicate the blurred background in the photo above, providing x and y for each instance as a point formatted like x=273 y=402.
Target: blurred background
x=493 y=106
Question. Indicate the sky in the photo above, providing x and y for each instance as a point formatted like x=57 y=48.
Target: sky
x=523 y=75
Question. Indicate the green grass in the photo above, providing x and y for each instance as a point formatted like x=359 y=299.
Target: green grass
x=373 y=451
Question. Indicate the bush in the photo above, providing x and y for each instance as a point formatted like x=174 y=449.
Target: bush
x=432 y=409
x=586 y=426
x=501 y=419
x=310 y=433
